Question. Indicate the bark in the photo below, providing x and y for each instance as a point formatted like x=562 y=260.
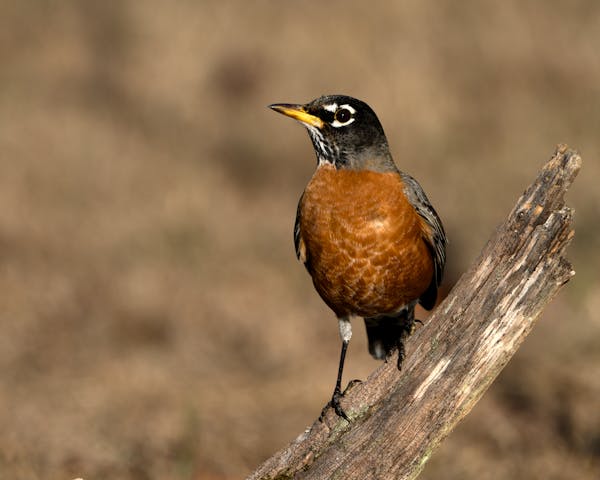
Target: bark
x=398 y=418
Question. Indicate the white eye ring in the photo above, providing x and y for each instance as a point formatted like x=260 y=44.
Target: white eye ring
x=336 y=123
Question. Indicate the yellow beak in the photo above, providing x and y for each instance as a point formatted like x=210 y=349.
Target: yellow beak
x=299 y=113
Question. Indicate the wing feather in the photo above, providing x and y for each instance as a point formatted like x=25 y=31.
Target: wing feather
x=435 y=238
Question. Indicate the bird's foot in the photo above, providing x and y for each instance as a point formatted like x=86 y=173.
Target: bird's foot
x=401 y=354
x=408 y=331
x=351 y=385
x=410 y=328
x=336 y=405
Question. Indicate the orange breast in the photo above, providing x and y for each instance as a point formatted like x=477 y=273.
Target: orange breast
x=363 y=242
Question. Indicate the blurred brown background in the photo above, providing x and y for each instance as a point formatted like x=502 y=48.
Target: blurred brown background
x=154 y=322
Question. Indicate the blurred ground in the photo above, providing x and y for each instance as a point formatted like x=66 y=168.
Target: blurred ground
x=154 y=322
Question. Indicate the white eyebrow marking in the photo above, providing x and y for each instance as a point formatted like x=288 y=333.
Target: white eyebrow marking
x=332 y=107
x=349 y=107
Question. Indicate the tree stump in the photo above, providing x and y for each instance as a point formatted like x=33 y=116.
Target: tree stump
x=398 y=418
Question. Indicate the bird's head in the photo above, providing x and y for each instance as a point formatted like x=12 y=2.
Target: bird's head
x=345 y=132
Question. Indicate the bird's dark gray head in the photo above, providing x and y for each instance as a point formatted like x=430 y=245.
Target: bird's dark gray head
x=345 y=132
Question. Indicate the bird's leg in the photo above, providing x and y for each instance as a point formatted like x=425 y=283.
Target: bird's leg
x=337 y=392
x=408 y=328
x=401 y=352
x=345 y=334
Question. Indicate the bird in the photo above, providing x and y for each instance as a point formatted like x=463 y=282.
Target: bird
x=365 y=230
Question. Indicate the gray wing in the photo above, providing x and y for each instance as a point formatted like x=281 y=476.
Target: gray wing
x=436 y=241
x=298 y=243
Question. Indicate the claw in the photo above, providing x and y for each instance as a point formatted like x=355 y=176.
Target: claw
x=335 y=403
x=351 y=385
x=337 y=407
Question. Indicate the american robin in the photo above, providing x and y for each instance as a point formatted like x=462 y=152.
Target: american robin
x=366 y=232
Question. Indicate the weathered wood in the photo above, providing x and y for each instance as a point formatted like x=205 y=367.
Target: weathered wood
x=399 y=418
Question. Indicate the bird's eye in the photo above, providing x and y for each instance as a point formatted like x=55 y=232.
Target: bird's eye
x=343 y=115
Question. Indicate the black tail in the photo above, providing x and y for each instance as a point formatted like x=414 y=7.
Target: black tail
x=387 y=333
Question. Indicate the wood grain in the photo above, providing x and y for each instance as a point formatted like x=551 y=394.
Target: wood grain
x=399 y=418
